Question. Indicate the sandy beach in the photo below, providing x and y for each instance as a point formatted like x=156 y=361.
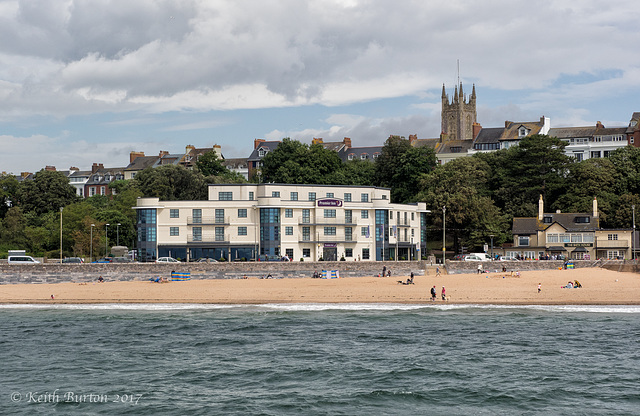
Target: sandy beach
x=600 y=287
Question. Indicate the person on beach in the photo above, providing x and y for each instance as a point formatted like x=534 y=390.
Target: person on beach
x=479 y=268
x=389 y=273
x=384 y=271
x=411 y=278
x=100 y=279
x=433 y=293
x=437 y=271
x=444 y=295
x=539 y=287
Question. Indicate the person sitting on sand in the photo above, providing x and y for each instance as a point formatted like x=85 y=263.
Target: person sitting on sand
x=577 y=284
x=100 y=279
x=568 y=286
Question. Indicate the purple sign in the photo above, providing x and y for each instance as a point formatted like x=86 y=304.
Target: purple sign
x=330 y=245
x=329 y=203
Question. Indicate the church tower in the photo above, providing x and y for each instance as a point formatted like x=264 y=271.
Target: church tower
x=458 y=114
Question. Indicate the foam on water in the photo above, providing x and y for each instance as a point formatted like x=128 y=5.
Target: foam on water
x=313 y=307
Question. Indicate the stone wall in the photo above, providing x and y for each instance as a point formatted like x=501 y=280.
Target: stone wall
x=458 y=267
x=58 y=273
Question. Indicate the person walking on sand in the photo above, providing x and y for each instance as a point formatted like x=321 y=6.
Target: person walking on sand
x=437 y=271
x=444 y=295
x=433 y=293
x=539 y=287
x=479 y=268
x=384 y=271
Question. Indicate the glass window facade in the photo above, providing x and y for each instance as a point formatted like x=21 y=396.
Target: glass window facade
x=288 y=213
x=219 y=216
x=294 y=196
x=347 y=197
x=219 y=233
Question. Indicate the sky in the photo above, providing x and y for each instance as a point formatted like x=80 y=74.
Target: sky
x=89 y=81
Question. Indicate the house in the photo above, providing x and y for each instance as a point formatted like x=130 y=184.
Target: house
x=101 y=177
x=567 y=235
x=260 y=148
x=591 y=142
x=139 y=162
x=78 y=179
x=633 y=130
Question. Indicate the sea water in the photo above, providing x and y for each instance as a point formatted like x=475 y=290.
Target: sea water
x=319 y=359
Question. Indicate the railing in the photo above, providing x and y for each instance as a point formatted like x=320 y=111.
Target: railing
x=207 y=220
x=320 y=220
x=208 y=238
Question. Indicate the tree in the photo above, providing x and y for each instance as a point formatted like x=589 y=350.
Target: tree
x=400 y=165
x=172 y=183
x=209 y=164
x=471 y=215
x=48 y=191
x=9 y=193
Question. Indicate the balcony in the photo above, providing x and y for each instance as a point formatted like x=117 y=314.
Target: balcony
x=327 y=221
x=209 y=238
x=207 y=221
x=603 y=244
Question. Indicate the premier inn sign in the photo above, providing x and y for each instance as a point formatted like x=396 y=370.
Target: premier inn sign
x=329 y=202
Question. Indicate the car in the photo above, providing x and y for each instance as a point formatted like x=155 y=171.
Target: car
x=166 y=260
x=206 y=260
x=74 y=260
x=120 y=260
x=22 y=260
x=508 y=258
x=104 y=260
x=269 y=257
x=472 y=257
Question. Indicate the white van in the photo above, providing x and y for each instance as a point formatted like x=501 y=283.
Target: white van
x=22 y=260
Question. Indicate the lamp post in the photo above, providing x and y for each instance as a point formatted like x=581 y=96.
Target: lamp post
x=444 y=245
x=633 y=238
x=61 y=234
x=106 y=239
x=118 y=234
x=491 y=235
x=91 y=252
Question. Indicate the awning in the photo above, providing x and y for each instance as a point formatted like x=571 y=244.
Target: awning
x=556 y=248
x=580 y=250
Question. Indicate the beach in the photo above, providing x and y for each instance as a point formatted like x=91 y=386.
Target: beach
x=599 y=287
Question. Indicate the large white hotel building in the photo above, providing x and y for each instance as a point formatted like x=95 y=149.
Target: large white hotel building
x=310 y=222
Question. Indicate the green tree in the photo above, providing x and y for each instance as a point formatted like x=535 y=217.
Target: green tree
x=400 y=165
x=210 y=164
x=9 y=193
x=172 y=183
x=47 y=192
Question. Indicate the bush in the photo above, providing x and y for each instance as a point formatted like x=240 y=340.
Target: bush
x=342 y=258
x=301 y=259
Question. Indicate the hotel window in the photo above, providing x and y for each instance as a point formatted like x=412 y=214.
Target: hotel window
x=242 y=230
x=219 y=216
x=583 y=220
x=329 y=230
x=523 y=241
x=364 y=231
x=348 y=234
x=242 y=213
x=390 y=215
x=306 y=216
x=384 y=197
x=306 y=233
x=197 y=216
x=348 y=216
x=365 y=254
x=612 y=237
x=364 y=197
x=250 y=195
x=288 y=230
x=275 y=194
x=225 y=196
x=364 y=214
x=197 y=233
x=312 y=196
x=348 y=252
x=219 y=233
x=289 y=253
x=294 y=196
x=174 y=213
x=330 y=194
x=347 y=197
x=174 y=231
x=412 y=216
x=553 y=238
x=329 y=213
x=306 y=252
x=288 y=213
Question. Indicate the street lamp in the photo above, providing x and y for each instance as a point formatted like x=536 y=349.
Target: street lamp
x=106 y=239
x=118 y=234
x=61 y=234
x=491 y=235
x=91 y=252
x=633 y=239
x=444 y=245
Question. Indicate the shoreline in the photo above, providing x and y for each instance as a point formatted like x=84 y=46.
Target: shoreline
x=600 y=287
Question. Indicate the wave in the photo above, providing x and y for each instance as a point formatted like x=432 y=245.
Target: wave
x=318 y=307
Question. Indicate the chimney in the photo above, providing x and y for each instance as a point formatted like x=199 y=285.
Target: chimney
x=74 y=168
x=316 y=141
x=189 y=148
x=96 y=166
x=50 y=168
x=24 y=174
x=540 y=208
x=257 y=143
x=134 y=155
x=476 y=129
x=163 y=153
x=546 y=125
x=595 y=207
x=347 y=142
x=506 y=123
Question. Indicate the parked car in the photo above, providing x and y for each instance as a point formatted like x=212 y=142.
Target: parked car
x=166 y=260
x=269 y=257
x=104 y=260
x=206 y=260
x=74 y=260
x=21 y=260
x=472 y=257
x=120 y=260
x=508 y=258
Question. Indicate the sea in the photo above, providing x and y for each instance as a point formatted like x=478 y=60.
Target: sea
x=319 y=359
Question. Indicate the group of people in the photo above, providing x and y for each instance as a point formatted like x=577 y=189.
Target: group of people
x=572 y=285
x=433 y=293
x=409 y=280
x=385 y=272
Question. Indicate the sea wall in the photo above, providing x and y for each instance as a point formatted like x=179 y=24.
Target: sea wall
x=58 y=273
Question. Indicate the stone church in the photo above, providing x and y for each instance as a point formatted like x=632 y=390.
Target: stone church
x=458 y=114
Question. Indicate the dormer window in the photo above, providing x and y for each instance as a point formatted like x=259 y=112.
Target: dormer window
x=547 y=220
x=583 y=220
x=351 y=156
x=523 y=131
x=364 y=156
x=456 y=149
x=262 y=152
